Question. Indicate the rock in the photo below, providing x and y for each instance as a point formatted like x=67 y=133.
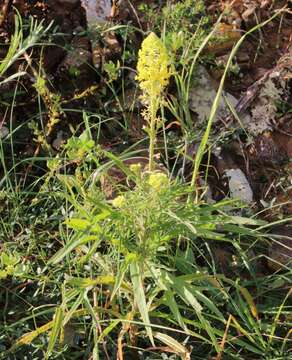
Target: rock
x=226 y=36
x=109 y=50
x=77 y=62
x=239 y=186
x=4 y=131
x=65 y=5
x=264 y=107
x=202 y=95
x=112 y=46
x=97 y=11
x=60 y=140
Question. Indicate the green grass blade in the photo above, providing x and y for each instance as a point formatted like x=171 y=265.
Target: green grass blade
x=57 y=325
x=70 y=246
x=139 y=296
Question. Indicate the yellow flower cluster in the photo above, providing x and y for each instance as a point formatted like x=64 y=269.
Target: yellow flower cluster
x=158 y=181
x=153 y=68
x=119 y=201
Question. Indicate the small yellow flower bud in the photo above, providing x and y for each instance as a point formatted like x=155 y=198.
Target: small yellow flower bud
x=119 y=201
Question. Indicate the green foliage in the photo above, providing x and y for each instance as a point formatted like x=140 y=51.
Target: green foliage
x=182 y=23
x=183 y=15
x=78 y=147
x=8 y=265
x=128 y=244
x=112 y=70
x=20 y=44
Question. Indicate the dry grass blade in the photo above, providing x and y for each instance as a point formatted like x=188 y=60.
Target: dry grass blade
x=174 y=345
x=222 y=345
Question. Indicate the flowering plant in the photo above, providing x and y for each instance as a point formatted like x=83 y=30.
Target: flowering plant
x=153 y=75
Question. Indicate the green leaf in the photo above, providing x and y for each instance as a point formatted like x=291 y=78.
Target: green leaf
x=186 y=293
x=108 y=329
x=78 y=224
x=57 y=325
x=183 y=291
x=84 y=283
x=246 y=294
x=73 y=308
x=209 y=304
x=139 y=297
x=119 y=279
x=171 y=303
x=71 y=245
x=245 y=221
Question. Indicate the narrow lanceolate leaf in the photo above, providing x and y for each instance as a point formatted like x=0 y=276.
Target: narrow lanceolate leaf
x=109 y=329
x=239 y=220
x=209 y=304
x=110 y=280
x=78 y=224
x=70 y=246
x=246 y=294
x=171 y=303
x=95 y=350
x=242 y=330
x=187 y=294
x=139 y=296
x=119 y=280
x=73 y=309
x=182 y=289
x=173 y=344
x=57 y=325
x=28 y=338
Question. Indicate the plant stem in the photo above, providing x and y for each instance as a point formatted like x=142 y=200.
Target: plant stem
x=151 y=146
x=152 y=133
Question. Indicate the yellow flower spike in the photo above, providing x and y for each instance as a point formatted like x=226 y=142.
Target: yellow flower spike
x=153 y=68
x=153 y=73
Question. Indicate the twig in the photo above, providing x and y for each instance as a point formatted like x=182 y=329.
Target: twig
x=222 y=345
x=50 y=124
x=251 y=93
x=95 y=302
x=135 y=14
